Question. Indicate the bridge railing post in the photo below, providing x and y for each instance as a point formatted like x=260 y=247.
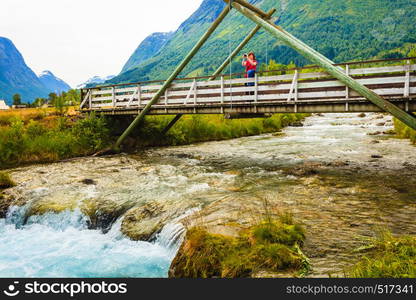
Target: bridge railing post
x=407 y=79
x=90 y=99
x=347 y=89
x=222 y=94
x=113 y=94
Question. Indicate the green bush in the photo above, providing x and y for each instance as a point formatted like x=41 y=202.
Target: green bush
x=203 y=128
x=37 y=143
x=92 y=133
x=6 y=181
x=12 y=142
x=270 y=246
x=45 y=142
x=35 y=129
x=404 y=131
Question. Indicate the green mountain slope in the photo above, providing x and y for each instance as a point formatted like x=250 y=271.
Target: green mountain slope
x=148 y=49
x=342 y=30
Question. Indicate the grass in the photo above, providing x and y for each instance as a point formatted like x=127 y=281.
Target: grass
x=6 y=181
x=387 y=257
x=269 y=246
x=29 y=141
x=404 y=131
x=203 y=128
x=7 y=117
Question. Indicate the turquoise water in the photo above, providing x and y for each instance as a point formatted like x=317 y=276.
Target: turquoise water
x=60 y=245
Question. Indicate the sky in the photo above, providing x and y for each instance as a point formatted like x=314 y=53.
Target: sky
x=78 y=39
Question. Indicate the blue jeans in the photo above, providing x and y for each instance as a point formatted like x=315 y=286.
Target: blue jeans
x=251 y=74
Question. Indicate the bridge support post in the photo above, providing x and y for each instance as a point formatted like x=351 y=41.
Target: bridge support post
x=173 y=76
x=258 y=17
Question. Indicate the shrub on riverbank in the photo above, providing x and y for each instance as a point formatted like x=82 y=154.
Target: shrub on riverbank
x=37 y=142
x=388 y=257
x=6 y=181
x=272 y=246
x=42 y=136
x=404 y=131
x=203 y=128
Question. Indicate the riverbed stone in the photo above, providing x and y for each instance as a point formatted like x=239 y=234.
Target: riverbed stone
x=5 y=203
x=103 y=213
x=88 y=181
x=142 y=223
x=56 y=205
x=7 y=200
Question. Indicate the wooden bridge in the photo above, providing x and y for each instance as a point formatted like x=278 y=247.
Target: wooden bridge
x=359 y=86
x=303 y=90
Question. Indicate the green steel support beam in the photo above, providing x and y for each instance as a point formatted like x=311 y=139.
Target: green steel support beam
x=323 y=62
x=172 y=77
x=225 y=63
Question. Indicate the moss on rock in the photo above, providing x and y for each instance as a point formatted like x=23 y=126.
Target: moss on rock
x=270 y=246
x=42 y=207
x=6 y=181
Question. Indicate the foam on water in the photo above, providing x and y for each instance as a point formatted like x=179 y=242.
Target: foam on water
x=60 y=245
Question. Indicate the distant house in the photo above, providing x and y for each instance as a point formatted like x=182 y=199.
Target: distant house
x=3 y=105
x=20 y=106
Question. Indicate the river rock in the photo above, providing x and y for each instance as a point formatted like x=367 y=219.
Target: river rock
x=306 y=169
x=103 y=213
x=374 y=133
x=47 y=205
x=296 y=124
x=88 y=182
x=5 y=203
x=390 y=132
x=362 y=115
x=142 y=223
x=7 y=200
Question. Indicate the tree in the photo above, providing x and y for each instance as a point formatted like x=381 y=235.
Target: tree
x=39 y=102
x=52 y=98
x=17 y=99
x=72 y=97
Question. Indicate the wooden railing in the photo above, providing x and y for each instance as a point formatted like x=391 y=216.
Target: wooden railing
x=298 y=85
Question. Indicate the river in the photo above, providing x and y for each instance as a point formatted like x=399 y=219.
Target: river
x=338 y=179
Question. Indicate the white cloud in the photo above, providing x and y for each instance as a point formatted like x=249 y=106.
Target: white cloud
x=77 y=39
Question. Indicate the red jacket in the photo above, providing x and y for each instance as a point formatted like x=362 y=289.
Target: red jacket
x=250 y=66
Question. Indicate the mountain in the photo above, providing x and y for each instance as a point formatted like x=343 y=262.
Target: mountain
x=16 y=76
x=96 y=80
x=53 y=83
x=341 y=30
x=148 y=49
